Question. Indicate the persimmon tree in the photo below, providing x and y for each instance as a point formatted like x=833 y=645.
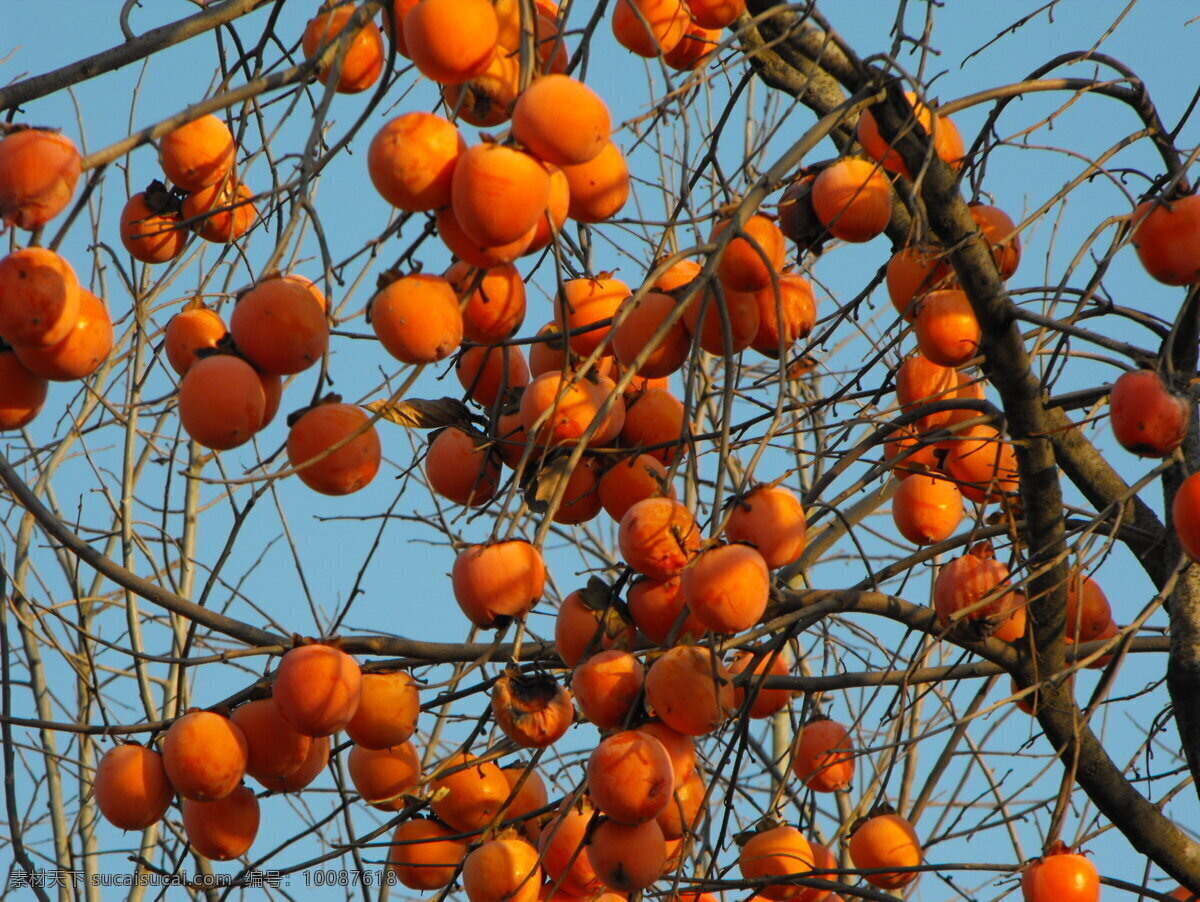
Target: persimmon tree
x=530 y=450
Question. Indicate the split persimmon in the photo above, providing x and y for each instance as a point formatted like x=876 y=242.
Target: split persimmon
x=533 y=710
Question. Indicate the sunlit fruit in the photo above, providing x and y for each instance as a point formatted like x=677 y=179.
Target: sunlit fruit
x=771 y=519
x=382 y=776
x=627 y=858
x=502 y=870
x=532 y=709
x=223 y=829
x=658 y=537
x=780 y=851
x=474 y=793
x=39 y=297
x=334 y=448
x=387 y=711
x=690 y=690
x=750 y=258
x=823 y=755
x=198 y=153
x=204 y=754
x=630 y=777
x=461 y=467
x=1061 y=875
x=499 y=582
x=279 y=327
x=599 y=187
x=362 y=56
x=606 y=685
x=221 y=402
x=886 y=840
x=150 y=230
x=411 y=160
x=927 y=508
x=317 y=689
x=424 y=855
x=853 y=199
x=417 y=318
x=274 y=749
x=38 y=172
x=451 y=41
x=727 y=587
x=131 y=787
x=80 y=352
x=1147 y=418
x=1166 y=235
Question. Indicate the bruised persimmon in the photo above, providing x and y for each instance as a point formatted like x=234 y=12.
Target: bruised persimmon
x=598 y=188
x=655 y=606
x=411 y=161
x=362 y=59
x=198 y=153
x=1147 y=419
x=475 y=792
x=314 y=763
x=715 y=13
x=778 y=852
x=750 y=259
x=533 y=710
x=561 y=120
x=383 y=776
x=853 y=199
x=424 y=854
x=1166 y=236
x=606 y=685
x=221 y=212
x=927 y=508
x=1000 y=233
x=948 y=333
x=224 y=829
x=823 y=755
x=317 y=689
x=563 y=849
x=649 y=27
x=150 y=232
x=657 y=537
x=498 y=193
x=279 y=327
x=221 y=402
x=771 y=518
x=911 y=273
x=387 y=710
x=497 y=583
x=78 y=354
x=631 y=480
x=627 y=858
x=273 y=748
x=655 y=420
x=131 y=787
x=580 y=628
x=417 y=318
x=22 y=393
x=39 y=297
x=630 y=777
x=38 y=172
x=766 y=701
x=495 y=301
x=690 y=690
x=727 y=587
x=886 y=840
x=502 y=870
x=451 y=41
x=707 y=312
x=191 y=329
x=487 y=99
x=204 y=755
x=342 y=445
x=486 y=371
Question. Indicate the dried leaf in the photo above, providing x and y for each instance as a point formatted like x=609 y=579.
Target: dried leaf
x=419 y=413
x=545 y=485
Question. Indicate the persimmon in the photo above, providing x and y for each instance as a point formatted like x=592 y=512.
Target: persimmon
x=655 y=606
x=969 y=389
x=909 y=453
x=273 y=748
x=630 y=777
x=886 y=840
x=487 y=99
x=690 y=690
x=983 y=463
x=80 y=352
x=557 y=411
x=131 y=787
x=564 y=853
x=657 y=537
x=451 y=41
x=499 y=582
x=1166 y=236
x=1147 y=418
x=823 y=755
x=222 y=212
x=22 y=393
x=707 y=311
x=502 y=870
x=962 y=585
x=509 y=437
x=682 y=812
x=606 y=685
x=786 y=317
x=1185 y=515
x=549 y=355
x=598 y=188
x=317 y=689
x=766 y=701
x=498 y=193
x=558 y=205
x=612 y=424
x=637 y=322
x=771 y=518
x=495 y=301
x=417 y=318
x=627 y=858
x=479 y=255
x=198 y=153
x=1061 y=875
x=694 y=48
x=411 y=161
x=780 y=851
x=485 y=372
x=38 y=172
x=461 y=467
x=204 y=755
x=1110 y=631
x=342 y=445
x=387 y=711
x=656 y=421
x=533 y=710
x=1012 y=628
x=1000 y=233
x=920 y=381
x=551 y=51
x=383 y=776
x=39 y=297
x=649 y=27
x=221 y=402
x=752 y=257
x=678 y=275
x=223 y=829
x=279 y=328
x=797 y=218
x=475 y=792
x=947 y=142
x=424 y=854
x=1089 y=614
x=948 y=333
x=580 y=628
x=823 y=860
x=715 y=13
x=580 y=500
x=314 y=763
x=927 y=508
x=853 y=199
x=912 y=272
x=631 y=480
x=727 y=587
x=400 y=11
x=581 y=304
x=191 y=329
x=362 y=60
x=681 y=749
x=561 y=121
x=149 y=231
x=530 y=797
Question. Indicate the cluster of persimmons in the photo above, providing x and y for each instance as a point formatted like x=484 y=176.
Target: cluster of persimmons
x=597 y=374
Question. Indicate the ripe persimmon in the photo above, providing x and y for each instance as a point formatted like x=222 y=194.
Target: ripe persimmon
x=223 y=211
x=532 y=709
x=927 y=508
x=983 y=463
x=780 y=851
x=715 y=13
x=657 y=537
x=564 y=853
x=475 y=792
x=706 y=314
x=39 y=297
x=362 y=60
x=1147 y=418
x=1185 y=515
x=626 y=858
x=502 y=870
x=38 y=172
x=1061 y=875
x=581 y=304
x=150 y=231
x=558 y=204
x=649 y=27
x=198 y=153
x=478 y=255
x=947 y=142
x=693 y=48
x=680 y=748
x=678 y=275
x=1089 y=615
x=909 y=453
x=131 y=787
x=342 y=445
x=580 y=628
x=853 y=199
x=766 y=701
x=417 y=318
x=221 y=402
x=962 y=585
x=771 y=518
x=655 y=606
x=786 y=317
x=317 y=689
x=451 y=41
x=1001 y=235
x=411 y=161
x=823 y=755
x=886 y=840
x=656 y=421
x=499 y=582
x=80 y=352
x=631 y=480
x=1166 y=236
x=580 y=500
x=424 y=854
x=948 y=333
x=921 y=381
x=205 y=755
x=279 y=328
x=750 y=259
x=727 y=587
x=598 y=188
x=22 y=393
x=509 y=437
x=189 y=330
x=557 y=411
x=530 y=797
x=561 y=120
x=387 y=710
x=630 y=777
x=273 y=748
x=498 y=193
x=912 y=272
x=690 y=690
x=487 y=99
x=495 y=301
x=681 y=814
x=314 y=763
x=606 y=685
x=224 y=829
x=485 y=372
x=461 y=467
x=383 y=776
x=823 y=860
